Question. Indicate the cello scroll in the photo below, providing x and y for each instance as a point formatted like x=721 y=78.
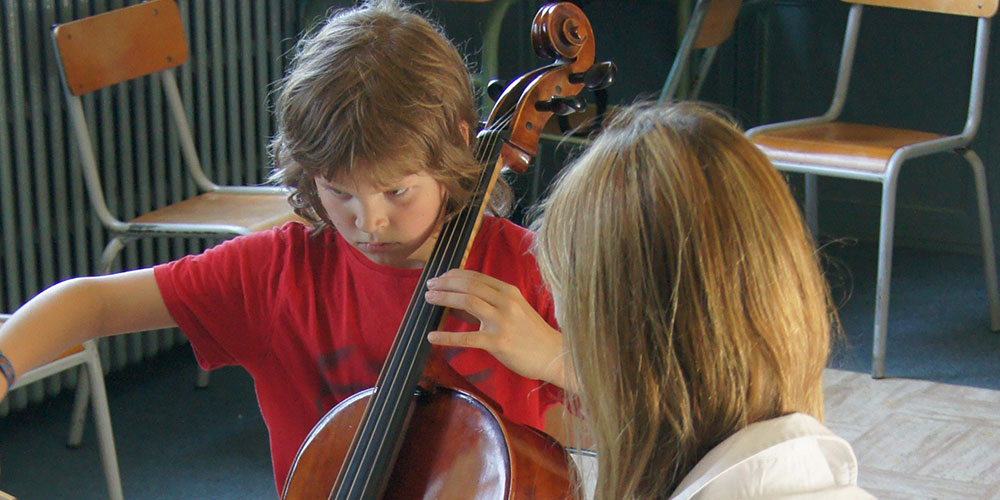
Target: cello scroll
x=560 y=31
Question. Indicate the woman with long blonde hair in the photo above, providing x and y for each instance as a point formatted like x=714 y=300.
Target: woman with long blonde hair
x=695 y=313
x=696 y=321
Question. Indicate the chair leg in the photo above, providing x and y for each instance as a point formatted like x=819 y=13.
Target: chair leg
x=120 y=351
x=886 y=225
x=812 y=204
x=202 y=381
x=102 y=421
x=78 y=417
x=111 y=251
x=986 y=233
x=80 y=399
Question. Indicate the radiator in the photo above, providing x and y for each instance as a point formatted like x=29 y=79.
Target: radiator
x=238 y=50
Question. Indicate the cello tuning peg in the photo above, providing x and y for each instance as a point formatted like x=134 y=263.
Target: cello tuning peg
x=597 y=77
x=495 y=88
x=562 y=106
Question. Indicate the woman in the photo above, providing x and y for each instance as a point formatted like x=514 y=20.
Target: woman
x=696 y=314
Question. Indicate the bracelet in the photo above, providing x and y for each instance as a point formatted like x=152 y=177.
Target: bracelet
x=7 y=369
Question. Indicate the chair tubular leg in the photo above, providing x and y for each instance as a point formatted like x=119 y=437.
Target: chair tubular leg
x=203 y=376
x=986 y=233
x=78 y=417
x=111 y=251
x=120 y=359
x=812 y=203
x=102 y=421
x=886 y=226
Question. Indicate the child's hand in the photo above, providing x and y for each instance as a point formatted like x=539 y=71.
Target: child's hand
x=509 y=328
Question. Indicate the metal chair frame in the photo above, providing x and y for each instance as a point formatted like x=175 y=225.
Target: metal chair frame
x=167 y=13
x=90 y=385
x=142 y=40
x=888 y=176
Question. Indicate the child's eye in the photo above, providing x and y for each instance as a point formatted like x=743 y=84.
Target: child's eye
x=398 y=191
x=335 y=191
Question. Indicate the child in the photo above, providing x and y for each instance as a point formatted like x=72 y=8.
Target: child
x=695 y=314
x=375 y=119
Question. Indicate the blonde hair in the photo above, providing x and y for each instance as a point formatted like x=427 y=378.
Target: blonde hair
x=374 y=85
x=688 y=289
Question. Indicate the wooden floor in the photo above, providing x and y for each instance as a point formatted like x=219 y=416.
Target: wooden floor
x=916 y=439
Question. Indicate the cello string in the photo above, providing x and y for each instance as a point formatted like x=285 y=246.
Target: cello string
x=391 y=381
x=396 y=381
x=449 y=240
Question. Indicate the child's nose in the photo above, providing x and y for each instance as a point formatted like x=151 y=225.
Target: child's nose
x=370 y=219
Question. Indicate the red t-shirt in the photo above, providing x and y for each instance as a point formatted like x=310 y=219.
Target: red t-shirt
x=312 y=319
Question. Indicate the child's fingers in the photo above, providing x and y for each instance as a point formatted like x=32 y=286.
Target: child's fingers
x=495 y=297
x=459 y=339
x=468 y=302
x=471 y=282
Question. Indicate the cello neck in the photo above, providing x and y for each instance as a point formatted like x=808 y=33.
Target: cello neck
x=372 y=453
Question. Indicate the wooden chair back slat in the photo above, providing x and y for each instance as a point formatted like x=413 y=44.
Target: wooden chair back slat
x=973 y=8
x=718 y=24
x=119 y=45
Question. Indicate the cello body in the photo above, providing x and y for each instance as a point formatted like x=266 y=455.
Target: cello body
x=462 y=449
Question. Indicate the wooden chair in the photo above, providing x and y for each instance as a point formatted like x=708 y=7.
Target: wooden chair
x=132 y=42
x=90 y=384
x=822 y=145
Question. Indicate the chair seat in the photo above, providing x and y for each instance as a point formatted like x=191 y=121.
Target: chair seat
x=71 y=351
x=253 y=211
x=94 y=390
x=851 y=146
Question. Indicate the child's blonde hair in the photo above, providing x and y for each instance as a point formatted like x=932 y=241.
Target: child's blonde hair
x=373 y=86
x=688 y=288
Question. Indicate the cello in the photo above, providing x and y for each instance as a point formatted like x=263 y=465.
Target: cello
x=449 y=439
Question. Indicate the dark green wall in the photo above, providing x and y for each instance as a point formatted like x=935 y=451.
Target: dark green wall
x=912 y=70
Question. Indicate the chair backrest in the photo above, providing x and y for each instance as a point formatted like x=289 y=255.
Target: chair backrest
x=119 y=45
x=973 y=8
x=951 y=7
x=717 y=26
x=711 y=23
x=115 y=46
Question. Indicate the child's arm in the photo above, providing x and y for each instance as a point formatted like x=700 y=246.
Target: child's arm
x=80 y=309
x=510 y=329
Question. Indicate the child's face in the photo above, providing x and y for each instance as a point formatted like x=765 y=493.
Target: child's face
x=394 y=225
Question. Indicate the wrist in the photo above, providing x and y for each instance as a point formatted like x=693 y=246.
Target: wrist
x=7 y=372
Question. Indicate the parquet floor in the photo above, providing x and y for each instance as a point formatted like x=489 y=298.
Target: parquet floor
x=916 y=439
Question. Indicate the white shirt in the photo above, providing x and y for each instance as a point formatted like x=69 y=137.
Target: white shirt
x=790 y=457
